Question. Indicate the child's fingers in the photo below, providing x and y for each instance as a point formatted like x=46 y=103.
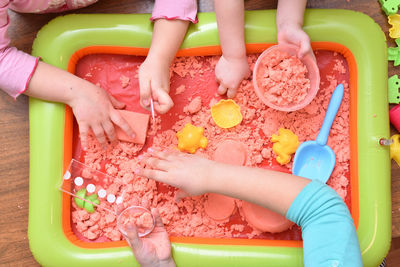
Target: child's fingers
x=305 y=48
x=231 y=92
x=133 y=238
x=157 y=175
x=145 y=92
x=109 y=129
x=158 y=164
x=118 y=120
x=157 y=217
x=222 y=89
x=217 y=78
x=99 y=133
x=163 y=101
x=161 y=155
x=116 y=104
x=180 y=194
x=84 y=131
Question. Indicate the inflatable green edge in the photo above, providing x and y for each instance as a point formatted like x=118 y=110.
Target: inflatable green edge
x=59 y=39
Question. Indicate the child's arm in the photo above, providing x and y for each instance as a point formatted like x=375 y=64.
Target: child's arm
x=232 y=67
x=22 y=73
x=327 y=227
x=171 y=22
x=289 y=22
x=92 y=106
x=329 y=235
x=154 y=72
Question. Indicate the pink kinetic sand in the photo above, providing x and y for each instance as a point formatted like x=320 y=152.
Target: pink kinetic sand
x=194 y=77
x=283 y=79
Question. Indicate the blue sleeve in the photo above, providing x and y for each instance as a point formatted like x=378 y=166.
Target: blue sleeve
x=329 y=235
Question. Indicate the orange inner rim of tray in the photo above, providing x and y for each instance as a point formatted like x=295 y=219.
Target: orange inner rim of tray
x=210 y=51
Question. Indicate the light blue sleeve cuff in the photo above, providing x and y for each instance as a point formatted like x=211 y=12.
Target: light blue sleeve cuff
x=329 y=235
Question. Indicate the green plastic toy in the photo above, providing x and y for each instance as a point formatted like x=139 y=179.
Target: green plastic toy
x=394 y=53
x=89 y=207
x=78 y=200
x=394 y=89
x=390 y=6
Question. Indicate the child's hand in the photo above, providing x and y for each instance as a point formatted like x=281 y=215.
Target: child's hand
x=295 y=35
x=154 y=249
x=188 y=172
x=154 y=82
x=229 y=73
x=94 y=109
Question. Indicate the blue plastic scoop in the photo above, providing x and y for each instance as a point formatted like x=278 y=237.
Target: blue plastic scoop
x=314 y=159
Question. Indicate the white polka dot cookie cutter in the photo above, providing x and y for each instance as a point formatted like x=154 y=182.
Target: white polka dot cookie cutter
x=95 y=185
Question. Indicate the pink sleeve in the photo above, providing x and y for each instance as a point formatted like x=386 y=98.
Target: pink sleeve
x=175 y=9
x=16 y=67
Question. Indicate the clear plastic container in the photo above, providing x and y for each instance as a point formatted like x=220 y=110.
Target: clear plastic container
x=138 y=217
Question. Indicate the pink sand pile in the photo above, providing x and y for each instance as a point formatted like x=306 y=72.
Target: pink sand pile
x=282 y=78
x=188 y=217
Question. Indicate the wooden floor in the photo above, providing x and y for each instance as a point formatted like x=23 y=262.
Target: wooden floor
x=14 y=128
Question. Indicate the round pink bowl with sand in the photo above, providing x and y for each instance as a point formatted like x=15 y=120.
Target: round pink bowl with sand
x=136 y=216
x=280 y=80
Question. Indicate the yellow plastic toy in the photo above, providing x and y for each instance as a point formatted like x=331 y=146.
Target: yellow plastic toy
x=394 y=20
x=226 y=113
x=191 y=138
x=285 y=144
x=395 y=148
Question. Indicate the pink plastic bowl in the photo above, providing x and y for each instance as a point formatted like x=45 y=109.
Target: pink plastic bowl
x=313 y=75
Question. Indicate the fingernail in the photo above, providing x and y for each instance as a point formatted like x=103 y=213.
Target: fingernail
x=133 y=135
x=150 y=150
x=146 y=102
x=140 y=157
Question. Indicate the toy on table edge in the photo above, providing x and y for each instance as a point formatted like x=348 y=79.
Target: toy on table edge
x=191 y=138
x=393 y=89
x=394 y=116
x=395 y=148
x=390 y=6
x=226 y=113
x=394 y=31
x=285 y=144
x=394 y=53
x=82 y=200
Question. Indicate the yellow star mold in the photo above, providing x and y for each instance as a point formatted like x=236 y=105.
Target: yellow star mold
x=191 y=138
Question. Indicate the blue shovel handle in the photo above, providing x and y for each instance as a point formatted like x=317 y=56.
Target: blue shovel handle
x=334 y=104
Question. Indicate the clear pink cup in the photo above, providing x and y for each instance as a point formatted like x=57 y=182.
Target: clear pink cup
x=313 y=75
x=133 y=217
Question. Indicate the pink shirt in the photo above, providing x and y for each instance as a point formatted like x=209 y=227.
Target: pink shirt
x=17 y=67
x=175 y=9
